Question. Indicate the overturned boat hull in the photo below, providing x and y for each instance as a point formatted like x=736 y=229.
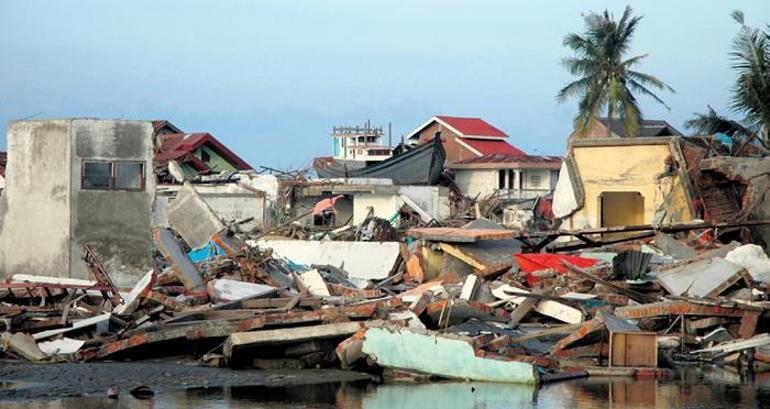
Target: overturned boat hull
x=420 y=166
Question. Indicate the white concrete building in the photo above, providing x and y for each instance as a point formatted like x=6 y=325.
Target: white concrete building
x=509 y=176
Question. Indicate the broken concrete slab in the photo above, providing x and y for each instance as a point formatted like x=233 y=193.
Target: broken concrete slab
x=192 y=218
x=314 y=283
x=61 y=346
x=22 y=345
x=443 y=355
x=673 y=247
x=703 y=279
x=181 y=265
x=360 y=259
x=754 y=259
x=288 y=335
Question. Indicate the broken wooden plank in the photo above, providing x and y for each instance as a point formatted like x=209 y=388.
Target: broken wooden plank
x=636 y=296
x=288 y=335
x=674 y=308
x=737 y=345
x=459 y=235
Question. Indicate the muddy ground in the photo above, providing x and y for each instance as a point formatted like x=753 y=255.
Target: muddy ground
x=22 y=380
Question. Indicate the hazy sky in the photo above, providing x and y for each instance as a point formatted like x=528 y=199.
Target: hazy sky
x=270 y=78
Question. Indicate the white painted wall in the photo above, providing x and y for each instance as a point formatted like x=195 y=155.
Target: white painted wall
x=484 y=182
x=230 y=202
x=384 y=205
x=432 y=199
x=476 y=182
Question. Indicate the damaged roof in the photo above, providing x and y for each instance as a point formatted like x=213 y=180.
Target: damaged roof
x=181 y=146
x=509 y=160
x=647 y=127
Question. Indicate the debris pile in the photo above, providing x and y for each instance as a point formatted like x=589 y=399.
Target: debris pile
x=475 y=302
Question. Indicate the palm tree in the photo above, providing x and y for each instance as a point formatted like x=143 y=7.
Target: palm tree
x=607 y=80
x=750 y=92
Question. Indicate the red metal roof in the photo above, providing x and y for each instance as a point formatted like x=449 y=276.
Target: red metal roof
x=176 y=146
x=487 y=147
x=470 y=127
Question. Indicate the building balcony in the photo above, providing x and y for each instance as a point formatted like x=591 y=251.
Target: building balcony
x=520 y=193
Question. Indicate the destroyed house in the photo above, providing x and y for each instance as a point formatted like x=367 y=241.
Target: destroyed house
x=603 y=128
x=77 y=182
x=464 y=138
x=624 y=182
x=507 y=176
x=196 y=153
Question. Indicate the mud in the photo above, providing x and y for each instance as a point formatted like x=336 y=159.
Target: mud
x=20 y=380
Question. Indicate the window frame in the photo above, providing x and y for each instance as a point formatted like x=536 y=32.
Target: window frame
x=113 y=175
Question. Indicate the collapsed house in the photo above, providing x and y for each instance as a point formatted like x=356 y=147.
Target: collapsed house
x=93 y=182
x=417 y=290
x=623 y=182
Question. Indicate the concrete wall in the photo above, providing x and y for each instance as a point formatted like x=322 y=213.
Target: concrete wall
x=476 y=182
x=229 y=202
x=35 y=206
x=47 y=217
x=627 y=168
x=386 y=203
x=484 y=182
x=117 y=223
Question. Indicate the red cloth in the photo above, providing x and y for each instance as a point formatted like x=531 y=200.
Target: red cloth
x=325 y=204
x=531 y=262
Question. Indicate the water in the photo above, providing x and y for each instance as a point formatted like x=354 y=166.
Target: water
x=694 y=388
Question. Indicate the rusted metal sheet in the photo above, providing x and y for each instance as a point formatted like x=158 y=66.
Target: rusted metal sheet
x=100 y=275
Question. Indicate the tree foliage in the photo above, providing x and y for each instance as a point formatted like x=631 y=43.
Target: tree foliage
x=750 y=98
x=607 y=82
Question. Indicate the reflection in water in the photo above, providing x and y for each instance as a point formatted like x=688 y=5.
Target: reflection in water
x=692 y=388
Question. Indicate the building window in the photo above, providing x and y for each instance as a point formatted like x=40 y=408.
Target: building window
x=535 y=181
x=501 y=179
x=97 y=175
x=119 y=175
x=205 y=157
x=511 y=178
x=129 y=175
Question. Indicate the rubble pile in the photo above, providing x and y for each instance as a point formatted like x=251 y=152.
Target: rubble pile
x=472 y=302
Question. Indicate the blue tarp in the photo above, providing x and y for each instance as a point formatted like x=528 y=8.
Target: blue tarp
x=210 y=250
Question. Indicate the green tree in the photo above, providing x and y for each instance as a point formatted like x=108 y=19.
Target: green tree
x=750 y=98
x=607 y=82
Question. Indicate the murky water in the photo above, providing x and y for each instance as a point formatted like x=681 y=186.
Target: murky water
x=712 y=389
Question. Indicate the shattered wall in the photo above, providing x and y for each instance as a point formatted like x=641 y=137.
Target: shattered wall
x=48 y=217
x=626 y=167
x=754 y=173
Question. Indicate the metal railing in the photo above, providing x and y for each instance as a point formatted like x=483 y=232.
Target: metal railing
x=520 y=193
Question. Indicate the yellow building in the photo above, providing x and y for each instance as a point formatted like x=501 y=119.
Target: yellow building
x=623 y=182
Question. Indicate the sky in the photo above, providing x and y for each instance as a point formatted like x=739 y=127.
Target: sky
x=271 y=78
